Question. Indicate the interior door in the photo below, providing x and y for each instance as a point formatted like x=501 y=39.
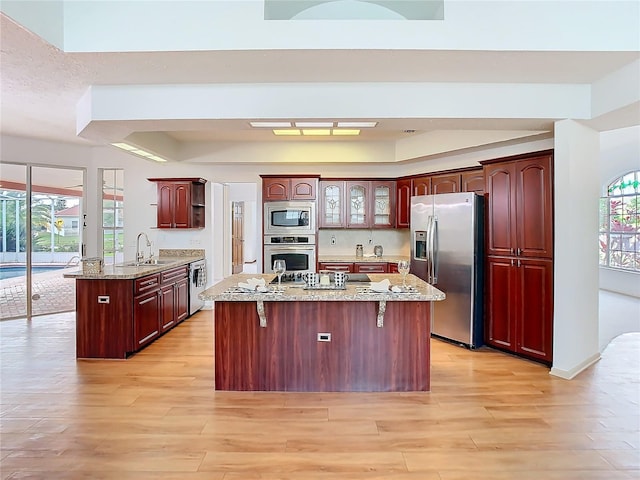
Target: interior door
x=237 y=237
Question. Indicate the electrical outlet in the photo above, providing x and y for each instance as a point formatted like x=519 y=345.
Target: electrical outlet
x=333 y=239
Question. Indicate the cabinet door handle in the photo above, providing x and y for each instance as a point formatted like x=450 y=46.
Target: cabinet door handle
x=518 y=252
x=512 y=262
x=519 y=264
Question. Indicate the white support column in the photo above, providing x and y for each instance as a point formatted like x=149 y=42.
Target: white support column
x=577 y=190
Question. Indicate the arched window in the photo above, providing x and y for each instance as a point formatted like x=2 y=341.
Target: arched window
x=620 y=224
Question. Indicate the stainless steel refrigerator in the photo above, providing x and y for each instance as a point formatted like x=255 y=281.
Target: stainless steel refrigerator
x=447 y=244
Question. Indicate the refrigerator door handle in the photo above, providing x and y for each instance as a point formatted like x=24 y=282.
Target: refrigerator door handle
x=434 y=250
x=429 y=248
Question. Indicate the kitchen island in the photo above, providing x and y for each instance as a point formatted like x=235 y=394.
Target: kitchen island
x=124 y=307
x=322 y=340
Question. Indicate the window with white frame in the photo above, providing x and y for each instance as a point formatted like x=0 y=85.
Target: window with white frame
x=112 y=215
x=620 y=224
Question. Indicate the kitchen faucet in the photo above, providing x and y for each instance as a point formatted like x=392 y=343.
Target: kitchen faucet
x=139 y=253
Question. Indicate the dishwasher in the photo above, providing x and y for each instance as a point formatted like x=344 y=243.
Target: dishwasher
x=197 y=284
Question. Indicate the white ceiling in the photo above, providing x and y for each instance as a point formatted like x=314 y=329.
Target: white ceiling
x=41 y=85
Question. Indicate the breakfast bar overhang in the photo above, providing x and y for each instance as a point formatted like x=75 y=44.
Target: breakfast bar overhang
x=341 y=340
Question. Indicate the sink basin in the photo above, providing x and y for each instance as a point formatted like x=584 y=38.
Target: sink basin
x=146 y=263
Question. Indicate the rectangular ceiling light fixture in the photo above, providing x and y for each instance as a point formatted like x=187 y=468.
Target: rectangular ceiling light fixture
x=357 y=124
x=270 y=124
x=314 y=124
x=139 y=152
x=316 y=132
x=346 y=131
x=285 y=132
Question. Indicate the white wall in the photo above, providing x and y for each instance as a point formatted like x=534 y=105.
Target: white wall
x=575 y=316
x=394 y=242
x=619 y=154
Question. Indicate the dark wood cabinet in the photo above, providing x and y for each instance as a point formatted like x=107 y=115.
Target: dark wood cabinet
x=370 y=267
x=520 y=207
x=115 y=318
x=336 y=266
x=519 y=306
x=382 y=203
x=287 y=354
x=182 y=299
x=332 y=204
x=421 y=185
x=445 y=183
x=403 y=202
x=472 y=181
x=146 y=310
x=181 y=202
x=519 y=247
x=288 y=188
x=348 y=203
x=358 y=204
x=359 y=267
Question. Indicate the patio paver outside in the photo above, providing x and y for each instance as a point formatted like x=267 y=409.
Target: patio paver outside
x=52 y=294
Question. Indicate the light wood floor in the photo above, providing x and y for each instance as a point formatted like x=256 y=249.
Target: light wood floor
x=156 y=416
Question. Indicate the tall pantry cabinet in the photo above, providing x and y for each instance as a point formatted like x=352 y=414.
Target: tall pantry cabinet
x=519 y=255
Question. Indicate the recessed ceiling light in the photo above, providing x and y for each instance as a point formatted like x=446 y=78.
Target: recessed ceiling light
x=314 y=124
x=317 y=132
x=270 y=124
x=346 y=131
x=124 y=146
x=138 y=151
x=289 y=131
x=357 y=124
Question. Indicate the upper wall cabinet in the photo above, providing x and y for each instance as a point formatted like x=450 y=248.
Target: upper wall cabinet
x=445 y=183
x=472 y=181
x=181 y=202
x=357 y=204
x=371 y=204
x=288 y=188
x=332 y=204
x=520 y=207
x=403 y=202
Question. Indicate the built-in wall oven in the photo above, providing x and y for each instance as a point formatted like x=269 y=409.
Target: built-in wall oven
x=298 y=252
x=289 y=218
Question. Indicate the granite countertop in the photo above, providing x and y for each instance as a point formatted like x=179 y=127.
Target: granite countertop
x=124 y=271
x=390 y=258
x=225 y=291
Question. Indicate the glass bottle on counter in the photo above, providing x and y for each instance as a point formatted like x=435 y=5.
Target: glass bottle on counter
x=359 y=252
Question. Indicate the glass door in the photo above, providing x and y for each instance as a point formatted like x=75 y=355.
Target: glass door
x=13 y=209
x=42 y=229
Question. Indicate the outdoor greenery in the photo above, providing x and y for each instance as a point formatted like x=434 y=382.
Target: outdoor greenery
x=40 y=220
x=620 y=224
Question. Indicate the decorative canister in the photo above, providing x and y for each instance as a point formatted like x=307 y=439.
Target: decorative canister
x=377 y=250
x=359 y=252
x=92 y=265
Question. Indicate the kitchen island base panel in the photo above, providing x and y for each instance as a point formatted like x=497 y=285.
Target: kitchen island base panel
x=292 y=354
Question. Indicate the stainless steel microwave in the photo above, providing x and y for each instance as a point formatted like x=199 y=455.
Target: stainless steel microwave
x=287 y=218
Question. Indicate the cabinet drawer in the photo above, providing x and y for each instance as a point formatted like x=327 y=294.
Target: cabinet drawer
x=147 y=284
x=171 y=276
x=336 y=267
x=370 y=267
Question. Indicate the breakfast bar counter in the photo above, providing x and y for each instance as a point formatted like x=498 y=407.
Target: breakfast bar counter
x=350 y=339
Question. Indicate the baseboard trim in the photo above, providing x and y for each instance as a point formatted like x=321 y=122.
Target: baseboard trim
x=570 y=374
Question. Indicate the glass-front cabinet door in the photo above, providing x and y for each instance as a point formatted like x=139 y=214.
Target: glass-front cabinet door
x=357 y=207
x=384 y=199
x=332 y=204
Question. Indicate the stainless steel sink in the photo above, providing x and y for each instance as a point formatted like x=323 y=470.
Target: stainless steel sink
x=146 y=263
